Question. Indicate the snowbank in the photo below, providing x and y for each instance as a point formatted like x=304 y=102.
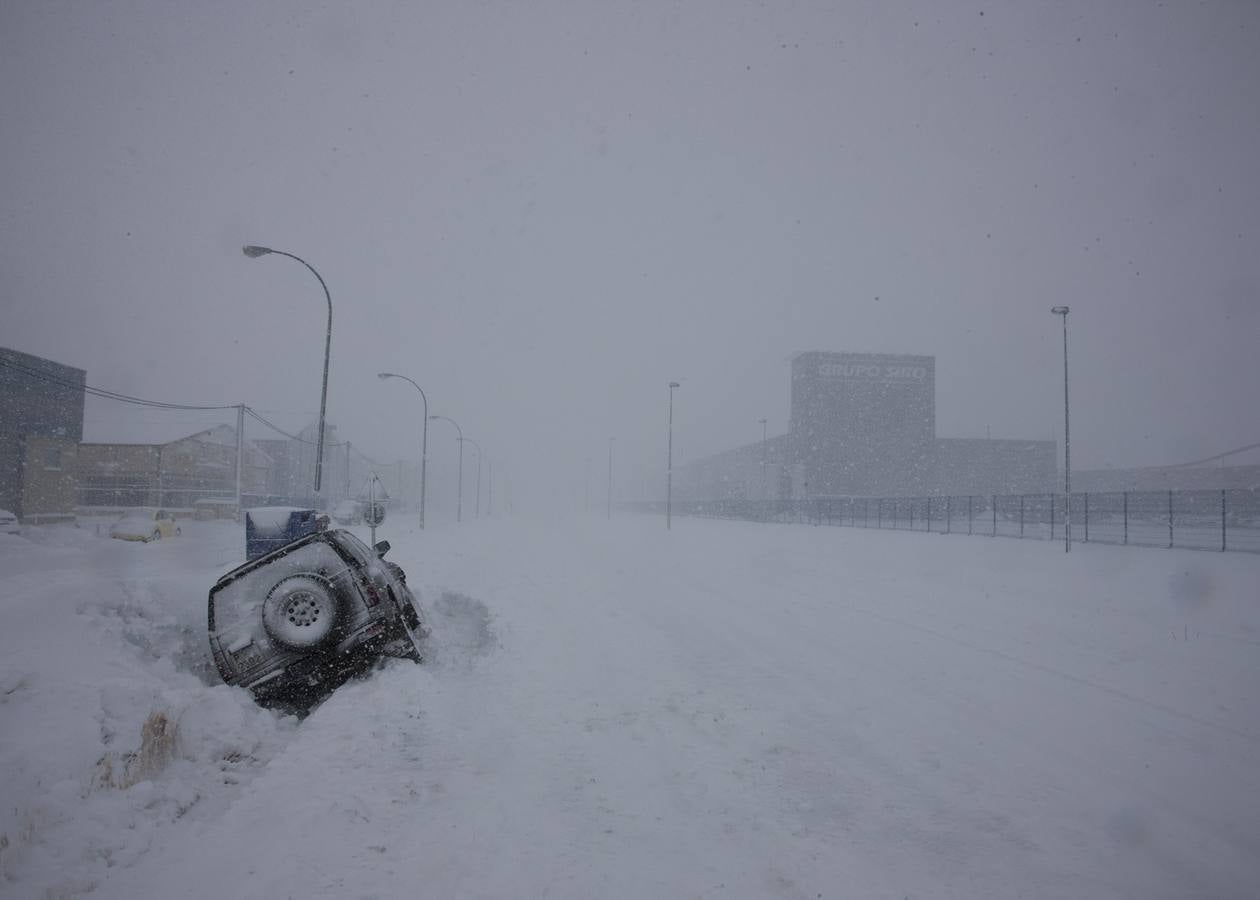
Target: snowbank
x=611 y=710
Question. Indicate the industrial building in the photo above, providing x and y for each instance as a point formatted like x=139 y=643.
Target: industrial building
x=864 y=425
x=176 y=473
x=41 y=424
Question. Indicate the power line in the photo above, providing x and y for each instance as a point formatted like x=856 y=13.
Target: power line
x=1199 y=462
x=159 y=404
x=101 y=392
x=301 y=440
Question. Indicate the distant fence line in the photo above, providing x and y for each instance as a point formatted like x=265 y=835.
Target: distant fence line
x=123 y=492
x=1193 y=520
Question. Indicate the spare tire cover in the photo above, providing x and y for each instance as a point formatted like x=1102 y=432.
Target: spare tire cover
x=301 y=612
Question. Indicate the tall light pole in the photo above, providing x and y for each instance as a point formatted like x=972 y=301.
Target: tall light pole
x=459 y=501
x=669 y=468
x=424 y=436
x=477 y=511
x=253 y=252
x=610 y=448
x=1067 y=437
x=763 y=459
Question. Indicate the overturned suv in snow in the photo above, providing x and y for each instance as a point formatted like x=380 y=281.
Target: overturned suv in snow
x=296 y=622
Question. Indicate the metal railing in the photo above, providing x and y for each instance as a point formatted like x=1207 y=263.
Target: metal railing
x=1194 y=520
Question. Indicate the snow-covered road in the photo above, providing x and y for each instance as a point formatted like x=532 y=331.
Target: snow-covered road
x=611 y=710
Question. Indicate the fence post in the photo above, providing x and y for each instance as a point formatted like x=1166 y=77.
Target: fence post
x=912 y=514
x=866 y=512
x=1126 y=517
x=1222 y=520
x=949 y=517
x=879 y=512
x=929 y=515
x=969 y=516
x=1170 y=521
x=1052 y=517
x=1021 y=515
x=993 y=500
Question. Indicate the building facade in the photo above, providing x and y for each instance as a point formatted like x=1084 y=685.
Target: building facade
x=864 y=425
x=41 y=424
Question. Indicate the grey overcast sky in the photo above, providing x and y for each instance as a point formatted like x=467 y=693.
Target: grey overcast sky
x=544 y=212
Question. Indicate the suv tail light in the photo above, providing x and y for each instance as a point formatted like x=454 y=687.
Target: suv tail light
x=371 y=596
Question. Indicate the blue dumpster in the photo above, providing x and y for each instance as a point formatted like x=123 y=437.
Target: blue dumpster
x=269 y=528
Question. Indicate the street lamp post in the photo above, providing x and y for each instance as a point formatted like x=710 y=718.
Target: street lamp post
x=610 y=449
x=459 y=493
x=477 y=511
x=669 y=468
x=763 y=460
x=424 y=439
x=1067 y=437
x=253 y=252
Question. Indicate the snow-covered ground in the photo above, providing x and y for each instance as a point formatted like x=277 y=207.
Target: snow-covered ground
x=611 y=710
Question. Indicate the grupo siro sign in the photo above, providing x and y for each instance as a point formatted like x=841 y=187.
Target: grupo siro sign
x=873 y=370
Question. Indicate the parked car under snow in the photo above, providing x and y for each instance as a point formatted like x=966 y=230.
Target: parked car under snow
x=145 y=524
x=296 y=622
x=348 y=512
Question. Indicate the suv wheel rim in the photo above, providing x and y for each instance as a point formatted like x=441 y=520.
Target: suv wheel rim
x=302 y=610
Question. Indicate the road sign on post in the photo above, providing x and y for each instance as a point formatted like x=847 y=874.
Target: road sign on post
x=374 y=514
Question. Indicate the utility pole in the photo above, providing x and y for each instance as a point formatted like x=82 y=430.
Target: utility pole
x=240 y=450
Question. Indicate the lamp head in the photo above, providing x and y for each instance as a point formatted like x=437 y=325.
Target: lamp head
x=674 y=384
x=1059 y=310
x=384 y=375
x=253 y=251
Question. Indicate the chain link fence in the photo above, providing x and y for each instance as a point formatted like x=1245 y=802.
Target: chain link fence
x=1193 y=520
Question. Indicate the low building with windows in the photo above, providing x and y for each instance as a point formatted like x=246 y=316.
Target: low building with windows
x=174 y=474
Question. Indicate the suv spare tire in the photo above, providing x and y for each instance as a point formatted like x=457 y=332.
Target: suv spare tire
x=301 y=612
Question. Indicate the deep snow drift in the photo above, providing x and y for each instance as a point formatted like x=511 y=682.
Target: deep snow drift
x=611 y=710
